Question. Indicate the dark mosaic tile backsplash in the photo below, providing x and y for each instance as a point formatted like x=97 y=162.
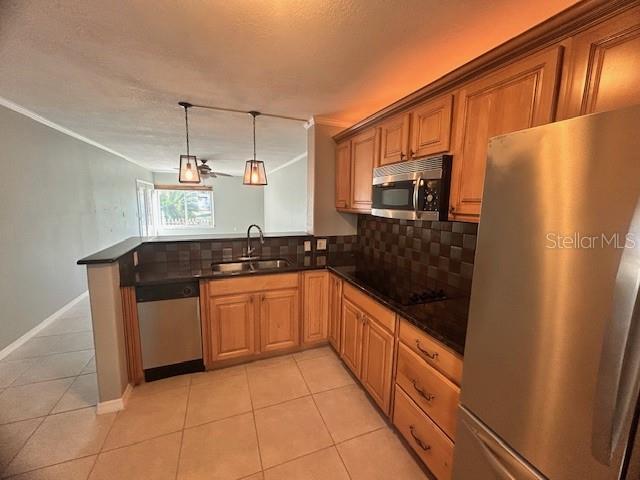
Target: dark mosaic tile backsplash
x=420 y=251
x=440 y=251
x=227 y=249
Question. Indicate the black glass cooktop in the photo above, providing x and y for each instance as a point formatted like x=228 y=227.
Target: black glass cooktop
x=398 y=285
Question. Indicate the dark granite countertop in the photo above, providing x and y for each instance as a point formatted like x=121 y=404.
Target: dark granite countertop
x=445 y=320
x=117 y=251
x=170 y=272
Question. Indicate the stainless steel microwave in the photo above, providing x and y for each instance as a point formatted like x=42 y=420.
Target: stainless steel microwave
x=413 y=190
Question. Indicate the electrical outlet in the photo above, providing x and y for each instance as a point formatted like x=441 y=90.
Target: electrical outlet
x=307 y=246
x=321 y=244
x=135 y=259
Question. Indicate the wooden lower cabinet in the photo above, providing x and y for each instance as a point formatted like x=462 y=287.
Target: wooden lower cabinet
x=351 y=341
x=232 y=326
x=315 y=316
x=437 y=396
x=279 y=325
x=367 y=346
x=248 y=316
x=433 y=447
x=335 y=310
x=377 y=362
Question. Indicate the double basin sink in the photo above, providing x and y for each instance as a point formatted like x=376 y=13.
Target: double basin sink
x=249 y=266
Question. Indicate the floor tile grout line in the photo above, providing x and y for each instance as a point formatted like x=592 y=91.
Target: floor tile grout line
x=47 y=355
x=42 y=419
x=299 y=457
x=255 y=423
x=48 y=466
x=184 y=423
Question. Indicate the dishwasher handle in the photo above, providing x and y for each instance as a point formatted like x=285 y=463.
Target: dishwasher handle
x=167 y=291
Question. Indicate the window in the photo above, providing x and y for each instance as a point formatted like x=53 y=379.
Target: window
x=185 y=208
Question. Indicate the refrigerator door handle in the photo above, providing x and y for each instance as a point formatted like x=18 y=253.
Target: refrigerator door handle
x=502 y=462
x=619 y=371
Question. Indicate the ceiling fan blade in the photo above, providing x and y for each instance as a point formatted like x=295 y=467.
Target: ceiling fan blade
x=220 y=174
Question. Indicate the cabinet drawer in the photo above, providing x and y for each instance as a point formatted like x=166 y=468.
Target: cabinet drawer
x=431 y=391
x=432 y=446
x=252 y=283
x=433 y=352
x=368 y=305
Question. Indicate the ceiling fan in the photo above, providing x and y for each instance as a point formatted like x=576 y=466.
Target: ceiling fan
x=206 y=172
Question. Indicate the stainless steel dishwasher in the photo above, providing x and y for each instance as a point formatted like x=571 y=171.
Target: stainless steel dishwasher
x=170 y=333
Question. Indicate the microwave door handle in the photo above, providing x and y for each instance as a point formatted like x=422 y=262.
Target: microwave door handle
x=619 y=372
x=416 y=194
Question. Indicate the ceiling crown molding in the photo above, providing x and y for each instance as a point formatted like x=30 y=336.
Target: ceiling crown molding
x=331 y=122
x=40 y=119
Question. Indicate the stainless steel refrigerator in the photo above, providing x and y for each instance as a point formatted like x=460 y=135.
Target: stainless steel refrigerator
x=552 y=357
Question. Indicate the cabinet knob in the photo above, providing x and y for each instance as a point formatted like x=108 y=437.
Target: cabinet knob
x=402 y=155
x=452 y=209
x=411 y=153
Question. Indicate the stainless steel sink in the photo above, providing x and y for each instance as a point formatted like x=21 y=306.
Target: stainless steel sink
x=248 y=266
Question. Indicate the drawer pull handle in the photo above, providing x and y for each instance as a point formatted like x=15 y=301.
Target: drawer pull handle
x=418 y=440
x=432 y=356
x=427 y=396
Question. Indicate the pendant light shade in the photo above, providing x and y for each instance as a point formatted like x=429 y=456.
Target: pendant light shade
x=254 y=172
x=189 y=172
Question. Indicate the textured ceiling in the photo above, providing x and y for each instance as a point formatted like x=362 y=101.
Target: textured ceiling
x=114 y=70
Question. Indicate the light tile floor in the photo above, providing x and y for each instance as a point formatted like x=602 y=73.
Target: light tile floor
x=296 y=416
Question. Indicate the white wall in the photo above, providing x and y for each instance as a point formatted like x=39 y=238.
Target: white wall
x=323 y=218
x=236 y=206
x=60 y=200
x=285 y=198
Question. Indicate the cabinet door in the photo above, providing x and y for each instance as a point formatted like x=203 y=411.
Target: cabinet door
x=279 y=319
x=515 y=97
x=603 y=67
x=315 y=321
x=343 y=174
x=335 y=309
x=394 y=139
x=377 y=362
x=351 y=338
x=431 y=127
x=365 y=149
x=232 y=326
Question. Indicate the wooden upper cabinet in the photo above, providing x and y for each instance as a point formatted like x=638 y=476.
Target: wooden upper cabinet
x=431 y=127
x=518 y=96
x=335 y=310
x=232 y=326
x=603 y=67
x=315 y=321
x=365 y=150
x=394 y=139
x=343 y=174
x=279 y=319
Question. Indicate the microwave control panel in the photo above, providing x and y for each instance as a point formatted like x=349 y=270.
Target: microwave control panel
x=431 y=195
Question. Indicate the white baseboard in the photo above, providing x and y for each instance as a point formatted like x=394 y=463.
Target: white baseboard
x=41 y=326
x=116 y=405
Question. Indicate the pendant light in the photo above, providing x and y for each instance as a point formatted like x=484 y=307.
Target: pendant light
x=189 y=172
x=254 y=173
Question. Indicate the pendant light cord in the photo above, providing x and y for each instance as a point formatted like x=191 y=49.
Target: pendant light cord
x=254 y=137
x=186 y=126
